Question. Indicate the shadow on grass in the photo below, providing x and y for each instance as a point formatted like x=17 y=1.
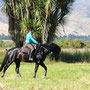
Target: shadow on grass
x=73 y=57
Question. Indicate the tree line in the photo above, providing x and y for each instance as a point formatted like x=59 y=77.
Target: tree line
x=80 y=37
x=5 y=37
x=75 y=43
x=64 y=43
x=6 y=44
x=43 y=15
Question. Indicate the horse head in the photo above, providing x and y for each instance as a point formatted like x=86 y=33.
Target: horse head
x=56 y=50
x=51 y=47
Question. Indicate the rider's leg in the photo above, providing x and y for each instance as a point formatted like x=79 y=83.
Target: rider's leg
x=30 y=55
x=30 y=46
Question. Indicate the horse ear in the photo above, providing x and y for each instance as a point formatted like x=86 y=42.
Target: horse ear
x=6 y=49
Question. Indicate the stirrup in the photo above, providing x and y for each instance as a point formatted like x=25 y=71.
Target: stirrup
x=30 y=59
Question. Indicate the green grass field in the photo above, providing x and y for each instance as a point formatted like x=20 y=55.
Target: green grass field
x=60 y=75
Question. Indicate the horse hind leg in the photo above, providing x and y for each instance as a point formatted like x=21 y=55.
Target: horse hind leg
x=4 y=61
x=5 y=68
x=11 y=59
x=17 y=68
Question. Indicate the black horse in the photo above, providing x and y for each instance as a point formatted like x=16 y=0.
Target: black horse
x=39 y=56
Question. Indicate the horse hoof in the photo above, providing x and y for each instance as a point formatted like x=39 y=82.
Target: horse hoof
x=34 y=76
x=1 y=76
x=20 y=77
x=44 y=77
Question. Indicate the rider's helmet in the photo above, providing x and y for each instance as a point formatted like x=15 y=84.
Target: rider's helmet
x=30 y=28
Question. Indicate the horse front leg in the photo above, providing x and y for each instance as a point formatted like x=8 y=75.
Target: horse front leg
x=17 y=68
x=43 y=65
x=36 y=68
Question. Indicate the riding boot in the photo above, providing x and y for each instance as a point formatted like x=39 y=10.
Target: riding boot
x=30 y=55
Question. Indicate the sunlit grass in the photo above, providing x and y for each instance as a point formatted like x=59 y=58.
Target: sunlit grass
x=60 y=75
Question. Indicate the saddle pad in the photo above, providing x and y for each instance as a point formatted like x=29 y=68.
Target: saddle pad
x=25 y=50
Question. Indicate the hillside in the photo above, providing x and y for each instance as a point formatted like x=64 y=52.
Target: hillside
x=79 y=37
x=3 y=28
x=3 y=23
x=78 y=21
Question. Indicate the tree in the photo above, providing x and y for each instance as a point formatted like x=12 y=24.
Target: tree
x=43 y=15
x=60 y=8
x=13 y=9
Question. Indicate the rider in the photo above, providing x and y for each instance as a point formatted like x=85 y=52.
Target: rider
x=30 y=41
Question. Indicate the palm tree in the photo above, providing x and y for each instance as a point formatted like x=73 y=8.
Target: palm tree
x=14 y=11
x=43 y=15
x=56 y=16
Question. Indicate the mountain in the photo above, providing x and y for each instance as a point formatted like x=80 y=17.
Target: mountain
x=3 y=28
x=3 y=17
x=3 y=23
x=79 y=37
x=3 y=20
x=4 y=35
x=78 y=21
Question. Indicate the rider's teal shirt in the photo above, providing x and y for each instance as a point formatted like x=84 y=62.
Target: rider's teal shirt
x=30 y=39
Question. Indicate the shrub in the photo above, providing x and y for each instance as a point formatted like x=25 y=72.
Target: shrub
x=78 y=44
x=6 y=44
x=73 y=55
x=68 y=43
x=88 y=44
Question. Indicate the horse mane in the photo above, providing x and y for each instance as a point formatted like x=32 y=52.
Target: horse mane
x=54 y=46
x=47 y=44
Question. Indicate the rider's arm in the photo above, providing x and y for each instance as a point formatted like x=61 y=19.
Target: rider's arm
x=33 y=40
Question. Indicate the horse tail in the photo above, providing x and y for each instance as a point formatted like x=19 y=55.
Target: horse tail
x=6 y=58
x=4 y=61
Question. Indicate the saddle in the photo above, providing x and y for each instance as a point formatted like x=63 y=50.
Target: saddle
x=24 y=53
x=26 y=48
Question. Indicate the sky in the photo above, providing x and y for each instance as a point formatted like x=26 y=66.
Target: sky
x=1 y=3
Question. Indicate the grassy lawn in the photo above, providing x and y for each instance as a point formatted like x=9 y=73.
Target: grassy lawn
x=60 y=76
